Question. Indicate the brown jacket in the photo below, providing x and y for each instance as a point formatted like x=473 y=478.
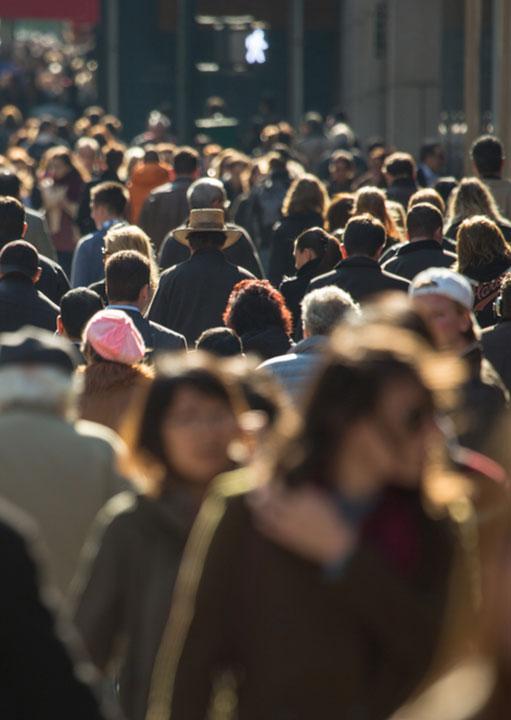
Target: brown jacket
x=302 y=644
x=108 y=391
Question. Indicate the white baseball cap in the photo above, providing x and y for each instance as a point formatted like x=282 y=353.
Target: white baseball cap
x=441 y=281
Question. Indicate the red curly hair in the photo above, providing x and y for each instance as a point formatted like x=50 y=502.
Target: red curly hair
x=255 y=305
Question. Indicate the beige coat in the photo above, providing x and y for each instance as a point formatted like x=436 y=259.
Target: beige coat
x=61 y=475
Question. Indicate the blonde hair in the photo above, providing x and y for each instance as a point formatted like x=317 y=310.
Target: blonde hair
x=372 y=200
x=131 y=237
x=479 y=241
x=472 y=197
x=306 y=194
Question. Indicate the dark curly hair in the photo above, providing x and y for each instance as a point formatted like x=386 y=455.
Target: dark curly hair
x=255 y=305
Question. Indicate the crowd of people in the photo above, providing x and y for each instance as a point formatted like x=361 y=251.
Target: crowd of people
x=253 y=425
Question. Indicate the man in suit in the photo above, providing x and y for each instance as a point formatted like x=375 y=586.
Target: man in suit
x=13 y=226
x=108 y=207
x=360 y=274
x=128 y=287
x=20 y=302
x=424 y=224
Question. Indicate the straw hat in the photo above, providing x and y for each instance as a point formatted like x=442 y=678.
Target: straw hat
x=206 y=220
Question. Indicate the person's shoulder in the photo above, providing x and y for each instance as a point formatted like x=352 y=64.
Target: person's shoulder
x=320 y=281
x=34 y=215
x=397 y=280
x=167 y=332
x=15 y=527
x=45 y=300
x=118 y=511
x=99 y=436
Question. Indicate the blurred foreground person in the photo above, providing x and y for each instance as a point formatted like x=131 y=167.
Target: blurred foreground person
x=445 y=300
x=114 y=351
x=318 y=581
x=38 y=679
x=179 y=437
x=59 y=473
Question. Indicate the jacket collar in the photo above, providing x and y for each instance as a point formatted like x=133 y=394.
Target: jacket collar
x=416 y=245
x=315 y=343
x=358 y=261
x=309 y=268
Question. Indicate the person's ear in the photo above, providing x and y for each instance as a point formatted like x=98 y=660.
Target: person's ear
x=37 y=276
x=24 y=231
x=144 y=296
x=465 y=321
x=60 y=326
x=439 y=234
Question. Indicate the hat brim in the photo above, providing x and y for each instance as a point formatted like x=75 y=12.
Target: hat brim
x=231 y=236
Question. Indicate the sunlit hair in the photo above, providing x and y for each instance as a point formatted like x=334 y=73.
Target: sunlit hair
x=306 y=194
x=427 y=195
x=43 y=387
x=69 y=159
x=372 y=200
x=472 y=197
x=339 y=211
x=255 y=305
x=131 y=237
x=479 y=241
x=143 y=431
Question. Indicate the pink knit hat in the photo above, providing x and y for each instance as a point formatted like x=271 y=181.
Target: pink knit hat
x=113 y=335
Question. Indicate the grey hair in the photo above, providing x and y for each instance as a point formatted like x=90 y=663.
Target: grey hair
x=205 y=192
x=324 y=308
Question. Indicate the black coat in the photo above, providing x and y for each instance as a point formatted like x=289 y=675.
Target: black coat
x=360 y=277
x=284 y=234
x=192 y=296
x=37 y=678
x=418 y=255
x=496 y=343
x=53 y=281
x=267 y=343
x=401 y=190
x=156 y=337
x=21 y=304
x=294 y=288
x=243 y=253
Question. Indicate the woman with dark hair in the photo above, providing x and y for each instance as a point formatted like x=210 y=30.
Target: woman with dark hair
x=317 y=580
x=178 y=439
x=304 y=207
x=484 y=257
x=316 y=253
x=258 y=315
x=339 y=212
x=62 y=183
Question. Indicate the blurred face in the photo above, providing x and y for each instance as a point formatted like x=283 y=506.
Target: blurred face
x=340 y=171
x=392 y=444
x=436 y=160
x=302 y=257
x=57 y=169
x=88 y=157
x=446 y=320
x=197 y=432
